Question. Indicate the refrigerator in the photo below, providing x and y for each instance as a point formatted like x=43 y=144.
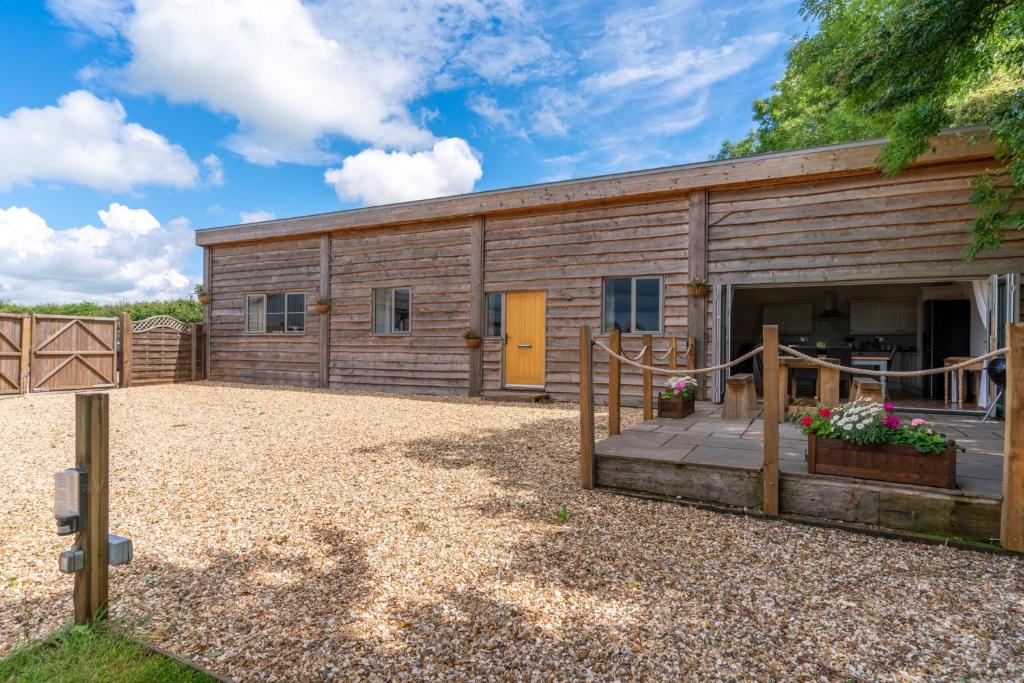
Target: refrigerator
x=947 y=332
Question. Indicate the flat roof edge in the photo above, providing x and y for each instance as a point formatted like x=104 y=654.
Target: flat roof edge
x=950 y=145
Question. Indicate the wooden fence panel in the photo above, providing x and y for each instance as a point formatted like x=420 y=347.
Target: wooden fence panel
x=162 y=350
x=69 y=352
x=12 y=353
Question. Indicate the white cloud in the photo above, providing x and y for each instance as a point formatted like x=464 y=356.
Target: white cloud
x=295 y=74
x=256 y=216
x=86 y=140
x=131 y=257
x=489 y=110
x=214 y=170
x=377 y=177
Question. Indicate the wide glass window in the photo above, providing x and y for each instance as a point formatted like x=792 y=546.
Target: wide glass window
x=493 y=326
x=277 y=312
x=392 y=310
x=632 y=304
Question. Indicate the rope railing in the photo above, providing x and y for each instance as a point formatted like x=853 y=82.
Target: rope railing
x=678 y=371
x=638 y=356
x=892 y=373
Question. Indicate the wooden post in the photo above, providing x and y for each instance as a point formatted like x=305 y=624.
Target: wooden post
x=770 y=422
x=586 y=409
x=476 y=304
x=1011 y=529
x=647 y=358
x=195 y=349
x=697 y=267
x=92 y=425
x=614 y=383
x=26 y=350
x=691 y=352
x=126 y=350
x=324 y=292
x=673 y=349
x=207 y=314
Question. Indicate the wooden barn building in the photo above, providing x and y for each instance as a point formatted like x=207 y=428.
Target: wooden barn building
x=815 y=240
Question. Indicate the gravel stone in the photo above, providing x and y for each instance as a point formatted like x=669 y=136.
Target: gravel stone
x=285 y=534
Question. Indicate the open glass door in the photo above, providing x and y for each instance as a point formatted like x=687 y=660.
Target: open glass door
x=721 y=338
x=1005 y=310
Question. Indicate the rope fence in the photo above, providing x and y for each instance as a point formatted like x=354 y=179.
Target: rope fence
x=668 y=371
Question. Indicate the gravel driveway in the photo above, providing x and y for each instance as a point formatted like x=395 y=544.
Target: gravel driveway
x=300 y=535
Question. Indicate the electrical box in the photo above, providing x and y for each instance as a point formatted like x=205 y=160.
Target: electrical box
x=71 y=561
x=120 y=550
x=71 y=500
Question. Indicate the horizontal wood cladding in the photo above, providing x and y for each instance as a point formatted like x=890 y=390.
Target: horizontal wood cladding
x=567 y=254
x=237 y=270
x=915 y=225
x=434 y=262
x=161 y=355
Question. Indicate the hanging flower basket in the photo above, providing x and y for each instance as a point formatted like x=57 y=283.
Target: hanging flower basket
x=204 y=299
x=698 y=288
x=321 y=308
x=473 y=342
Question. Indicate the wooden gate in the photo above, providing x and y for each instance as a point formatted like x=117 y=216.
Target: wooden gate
x=14 y=330
x=73 y=353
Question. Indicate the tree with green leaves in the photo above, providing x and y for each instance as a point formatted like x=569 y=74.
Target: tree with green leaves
x=904 y=70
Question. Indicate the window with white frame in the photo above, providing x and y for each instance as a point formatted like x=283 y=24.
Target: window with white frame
x=632 y=304
x=392 y=310
x=278 y=312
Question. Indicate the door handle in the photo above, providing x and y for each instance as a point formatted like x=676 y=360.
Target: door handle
x=525 y=346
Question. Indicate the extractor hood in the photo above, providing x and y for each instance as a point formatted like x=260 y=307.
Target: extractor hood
x=830 y=312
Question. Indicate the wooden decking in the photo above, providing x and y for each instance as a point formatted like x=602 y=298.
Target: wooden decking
x=707 y=459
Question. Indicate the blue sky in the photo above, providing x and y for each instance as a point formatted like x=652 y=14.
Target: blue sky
x=127 y=124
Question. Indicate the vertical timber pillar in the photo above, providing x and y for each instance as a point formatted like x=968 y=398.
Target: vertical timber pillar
x=26 y=350
x=207 y=327
x=324 y=293
x=770 y=422
x=614 y=383
x=647 y=359
x=1011 y=528
x=586 y=409
x=476 y=303
x=126 y=350
x=92 y=428
x=697 y=266
x=194 y=355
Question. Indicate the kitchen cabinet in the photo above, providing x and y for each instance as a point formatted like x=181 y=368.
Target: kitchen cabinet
x=883 y=316
x=792 y=318
x=904 y=361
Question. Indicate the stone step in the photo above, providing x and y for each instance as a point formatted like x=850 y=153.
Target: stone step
x=516 y=395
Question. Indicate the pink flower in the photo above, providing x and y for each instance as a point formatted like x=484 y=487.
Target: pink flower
x=891 y=421
x=889 y=407
x=917 y=421
x=825 y=412
x=806 y=422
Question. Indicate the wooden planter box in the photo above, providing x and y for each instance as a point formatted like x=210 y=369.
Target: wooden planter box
x=897 y=463
x=675 y=407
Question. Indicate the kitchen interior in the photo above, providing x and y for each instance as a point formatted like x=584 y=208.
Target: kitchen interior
x=899 y=326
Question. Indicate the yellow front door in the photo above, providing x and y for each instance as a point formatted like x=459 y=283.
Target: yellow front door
x=524 y=341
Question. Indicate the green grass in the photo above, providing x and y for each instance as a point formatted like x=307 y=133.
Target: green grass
x=92 y=654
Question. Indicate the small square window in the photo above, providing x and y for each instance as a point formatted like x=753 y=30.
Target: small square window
x=632 y=304
x=276 y=312
x=392 y=310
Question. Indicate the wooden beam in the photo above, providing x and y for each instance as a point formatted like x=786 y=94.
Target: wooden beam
x=25 y=378
x=832 y=160
x=194 y=351
x=586 y=409
x=476 y=303
x=614 y=383
x=92 y=430
x=126 y=350
x=1011 y=530
x=697 y=267
x=207 y=328
x=770 y=422
x=647 y=359
x=325 y=318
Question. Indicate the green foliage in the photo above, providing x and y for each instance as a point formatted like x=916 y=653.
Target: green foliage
x=906 y=69
x=562 y=516
x=95 y=654
x=186 y=310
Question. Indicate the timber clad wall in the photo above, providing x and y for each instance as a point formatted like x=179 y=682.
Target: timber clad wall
x=568 y=253
x=237 y=270
x=856 y=228
x=434 y=261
